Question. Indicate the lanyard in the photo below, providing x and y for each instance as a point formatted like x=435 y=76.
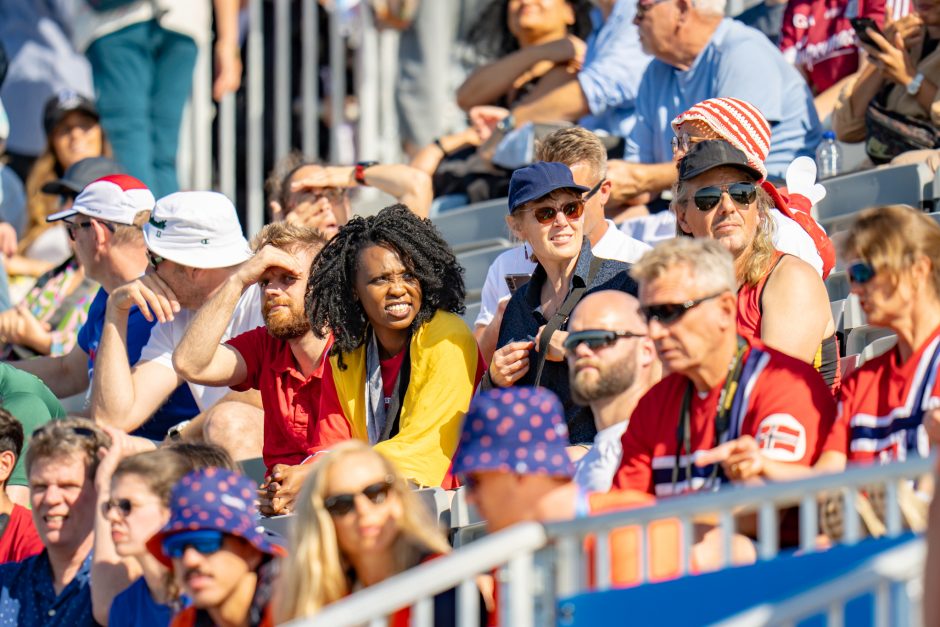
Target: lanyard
x=722 y=419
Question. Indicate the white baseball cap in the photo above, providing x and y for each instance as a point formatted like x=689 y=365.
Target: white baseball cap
x=197 y=229
x=116 y=198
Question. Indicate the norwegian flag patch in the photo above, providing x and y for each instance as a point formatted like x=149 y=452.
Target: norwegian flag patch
x=781 y=437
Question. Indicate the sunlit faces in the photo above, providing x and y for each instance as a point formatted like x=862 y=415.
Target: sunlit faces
x=885 y=297
x=62 y=496
x=656 y=22
x=369 y=527
x=211 y=579
x=388 y=291
x=560 y=239
x=283 y=294
x=732 y=224
x=325 y=209
x=76 y=137
x=528 y=20
x=135 y=514
x=687 y=342
x=688 y=134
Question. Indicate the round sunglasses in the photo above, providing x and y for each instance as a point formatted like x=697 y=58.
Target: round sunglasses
x=342 y=504
x=573 y=210
x=707 y=198
x=596 y=338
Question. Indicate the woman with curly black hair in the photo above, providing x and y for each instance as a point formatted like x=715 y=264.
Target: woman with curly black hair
x=404 y=364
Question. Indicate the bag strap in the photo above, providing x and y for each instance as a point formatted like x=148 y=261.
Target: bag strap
x=561 y=316
x=398 y=397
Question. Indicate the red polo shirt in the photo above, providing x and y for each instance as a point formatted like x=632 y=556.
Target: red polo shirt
x=291 y=401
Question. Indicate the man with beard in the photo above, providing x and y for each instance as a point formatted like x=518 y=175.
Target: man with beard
x=611 y=364
x=284 y=360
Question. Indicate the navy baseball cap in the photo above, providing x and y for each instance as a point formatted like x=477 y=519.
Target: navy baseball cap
x=714 y=153
x=80 y=174
x=520 y=430
x=538 y=180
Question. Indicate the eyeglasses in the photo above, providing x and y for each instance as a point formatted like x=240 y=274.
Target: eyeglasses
x=155 y=259
x=546 y=215
x=204 y=541
x=71 y=226
x=590 y=193
x=642 y=8
x=667 y=313
x=342 y=504
x=684 y=142
x=743 y=193
x=860 y=272
x=596 y=338
x=125 y=505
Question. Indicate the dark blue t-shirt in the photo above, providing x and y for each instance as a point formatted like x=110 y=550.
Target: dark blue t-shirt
x=179 y=406
x=135 y=607
x=27 y=595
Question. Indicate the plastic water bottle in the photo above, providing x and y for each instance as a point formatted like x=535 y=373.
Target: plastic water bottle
x=828 y=157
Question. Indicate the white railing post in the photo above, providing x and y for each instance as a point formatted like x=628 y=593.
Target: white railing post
x=255 y=119
x=282 y=78
x=310 y=120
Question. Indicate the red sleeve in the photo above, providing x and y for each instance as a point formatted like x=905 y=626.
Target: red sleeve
x=838 y=438
x=791 y=412
x=875 y=9
x=636 y=470
x=23 y=538
x=332 y=426
x=251 y=346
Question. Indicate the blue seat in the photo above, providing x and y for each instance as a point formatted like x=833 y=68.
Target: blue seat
x=909 y=184
x=479 y=225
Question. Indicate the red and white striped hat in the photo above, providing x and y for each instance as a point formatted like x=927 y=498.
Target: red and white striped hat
x=739 y=123
x=115 y=198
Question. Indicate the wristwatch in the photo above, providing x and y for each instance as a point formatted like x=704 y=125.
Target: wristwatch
x=360 y=173
x=175 y=432
x=914 y=86
x=506 y=124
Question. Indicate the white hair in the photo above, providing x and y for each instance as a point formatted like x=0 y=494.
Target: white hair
x=709 y=263
x=710 y=7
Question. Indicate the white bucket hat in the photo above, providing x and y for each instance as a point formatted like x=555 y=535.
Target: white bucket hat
x=197 y=229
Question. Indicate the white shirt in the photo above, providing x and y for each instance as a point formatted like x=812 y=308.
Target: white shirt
x=192 y=18
x=165 y=337
x=614 y=245
x=595 y=471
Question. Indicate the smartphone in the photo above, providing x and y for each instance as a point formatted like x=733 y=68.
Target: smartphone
x=861 y=24
x=515 y=281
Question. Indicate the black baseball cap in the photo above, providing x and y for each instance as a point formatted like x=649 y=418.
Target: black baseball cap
x=714 y=153
x=64 y=103
x=80 y=174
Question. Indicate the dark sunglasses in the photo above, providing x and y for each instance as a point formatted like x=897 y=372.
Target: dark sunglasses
x=70 y=227
x=590 y=193
x=124 y=505
x=342 y=504
x=667 y=313
x=596 y=338
x=860 y=272
x=546 y=215
x=743 y=193
x=204 y=541
x=155 y=260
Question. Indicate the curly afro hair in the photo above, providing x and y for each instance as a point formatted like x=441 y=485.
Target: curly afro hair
x=331 y=301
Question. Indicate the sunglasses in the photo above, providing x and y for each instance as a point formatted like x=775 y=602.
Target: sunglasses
x=125 y=505
x=70 y=227
x=342 y=504
x=743 y=193
x=590 y=193
x=684 y=142
x=204 y=541
x=155 y=260
x=596 y=338
x=860 y=272
x=667 y=313
x=546 y=215
x=84 y=432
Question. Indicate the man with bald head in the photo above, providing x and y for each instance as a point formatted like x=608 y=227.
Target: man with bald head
x=611 y=364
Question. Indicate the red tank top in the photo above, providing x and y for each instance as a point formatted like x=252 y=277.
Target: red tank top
x=749 y=303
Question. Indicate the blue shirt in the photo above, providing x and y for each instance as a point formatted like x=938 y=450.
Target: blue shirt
x=738 y=62
x=613 y=66
x=135 y=607
x=179 y=406
x=27 y=596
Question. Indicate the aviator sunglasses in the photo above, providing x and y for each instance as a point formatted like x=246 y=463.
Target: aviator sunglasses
x=596 y=338
x=667 y=313
x=342 y=504
x=707 y=198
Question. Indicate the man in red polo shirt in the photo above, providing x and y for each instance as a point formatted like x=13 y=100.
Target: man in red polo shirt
x=284 y=360
x=721 y=387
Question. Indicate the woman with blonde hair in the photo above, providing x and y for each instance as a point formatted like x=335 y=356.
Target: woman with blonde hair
x=361 y=525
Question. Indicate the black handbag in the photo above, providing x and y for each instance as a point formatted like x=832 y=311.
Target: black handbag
x=888 y=133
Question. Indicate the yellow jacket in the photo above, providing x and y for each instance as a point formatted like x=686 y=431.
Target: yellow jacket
x=445 y=369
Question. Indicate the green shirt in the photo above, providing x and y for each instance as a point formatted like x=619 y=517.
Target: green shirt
x=30 y=402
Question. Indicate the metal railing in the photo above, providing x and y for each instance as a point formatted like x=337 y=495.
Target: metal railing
x=540 y=563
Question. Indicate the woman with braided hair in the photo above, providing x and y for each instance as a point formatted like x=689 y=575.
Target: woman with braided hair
x=404 y=364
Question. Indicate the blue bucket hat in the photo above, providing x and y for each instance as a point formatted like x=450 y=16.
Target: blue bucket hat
x=538 y=180
x=520 y=430
x=216 y=499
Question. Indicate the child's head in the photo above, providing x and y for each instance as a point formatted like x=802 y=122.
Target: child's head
x=11 y=444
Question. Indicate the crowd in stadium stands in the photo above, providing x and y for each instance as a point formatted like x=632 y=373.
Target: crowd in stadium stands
x=662 y=325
